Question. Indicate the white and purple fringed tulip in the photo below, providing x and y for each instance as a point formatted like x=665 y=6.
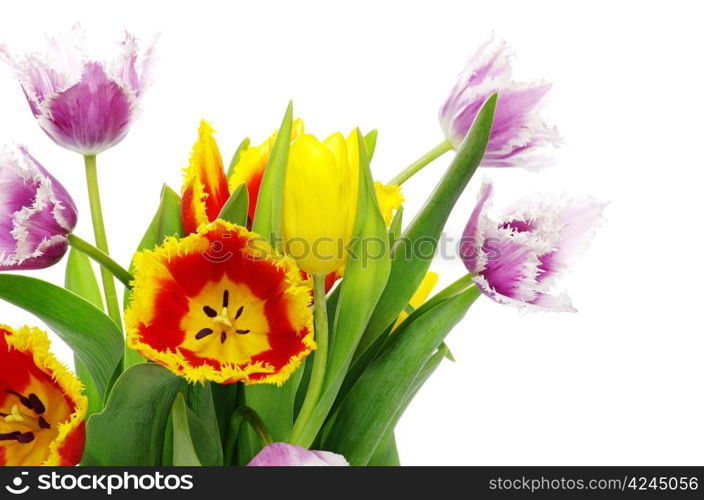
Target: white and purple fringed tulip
x=517 y=258
x=36 y=213
x=518 y=134
x=83 y=105
x=288 y=455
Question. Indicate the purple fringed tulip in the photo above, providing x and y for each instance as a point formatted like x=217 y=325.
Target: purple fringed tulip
x=83 y=105
x=36 y=214
x=517 y=259
x=288 y=455
x=518 y=131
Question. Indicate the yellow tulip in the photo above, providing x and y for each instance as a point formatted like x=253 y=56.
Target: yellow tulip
x=320 y=201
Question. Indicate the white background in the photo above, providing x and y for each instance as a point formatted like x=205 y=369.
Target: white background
x=620 y=382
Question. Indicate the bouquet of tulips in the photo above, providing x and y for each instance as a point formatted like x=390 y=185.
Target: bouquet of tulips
x=277 y=311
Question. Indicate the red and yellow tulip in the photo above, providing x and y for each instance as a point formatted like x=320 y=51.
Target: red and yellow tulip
x=220 y=305
x=205 y=188
x=42 y=407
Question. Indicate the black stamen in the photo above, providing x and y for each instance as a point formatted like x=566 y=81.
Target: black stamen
x=43 y=423
x=37 y=404
x=239 y=312
x=226 y=298
x=25 y=401
x=3 y=415
x=209 y=311
x=25 y=438
x=10 y=436
x=223 y=337
x=242 y=332
x=203 y=333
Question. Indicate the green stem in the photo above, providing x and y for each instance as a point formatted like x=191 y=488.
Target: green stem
x=241 y=414
x=421 y=162
x=101 y=258
x=320 y=360
x=101 y=240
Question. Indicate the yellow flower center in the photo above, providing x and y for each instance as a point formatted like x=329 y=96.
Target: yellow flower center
x=226 y=321
x=23 y=420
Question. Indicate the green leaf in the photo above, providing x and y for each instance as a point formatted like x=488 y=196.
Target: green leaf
x=395 y=229
x=184 y=452
x=364 y=281
x=269 y=212
x=428 y=369
x=94 y=338
x=386 y=454
x=244 y=145
x=225 y=401
x=166 y=222
x=167 y=454
x=273 y=404
x=203 y=424
x=236 y=207
x=462 y=284
x=381 y=392
x=247 y=446
x=370 y=143
x=306 y=369
x=408 y=269
x=80 y=279
x=447 y=353
x=130 y=430
x=382 y=342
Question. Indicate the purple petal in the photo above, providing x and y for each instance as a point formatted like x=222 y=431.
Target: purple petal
x=79 y=104
x=553 y=303
x=511 y=268
x=568 y=224
x=520 y=226
x=288 y=455
x=131 y=69
x=518 y=132
x=65 y=210
x=91 y=116
x=43 y=75
x=472 y=238
x=36 y=214
x=480 y=67
x=519 y=257
x=15 y=190
x=580 y=220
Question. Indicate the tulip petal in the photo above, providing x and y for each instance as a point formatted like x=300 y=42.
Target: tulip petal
x=130 y=68
x=36 y=213
x=518 y=132
x=516 y=260
x=90 y=116
x=390 y=199
x=288 y=455
x=78 y=104
x=53 y=406
x=473 y=237
x=569 y=223
x=205 y=190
